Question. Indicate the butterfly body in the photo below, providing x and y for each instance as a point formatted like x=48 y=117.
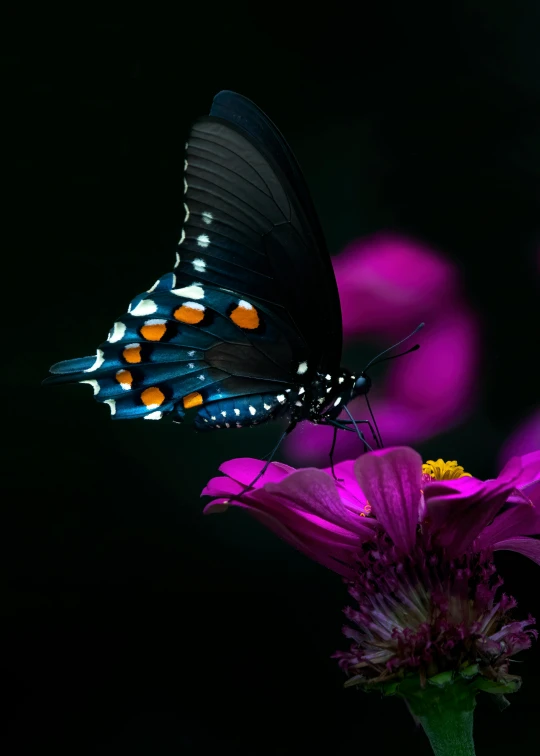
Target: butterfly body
x=247 y=327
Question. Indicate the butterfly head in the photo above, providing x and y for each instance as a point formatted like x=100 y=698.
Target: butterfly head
x=361 y=386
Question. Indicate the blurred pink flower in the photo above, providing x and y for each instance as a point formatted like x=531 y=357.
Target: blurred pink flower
x=388 y=285
x=525 y=437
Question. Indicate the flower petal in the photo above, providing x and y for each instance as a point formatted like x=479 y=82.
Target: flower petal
x=460 y=509
x=529 y=547
x=347 y=486
x=314 y=491
x=526 y=438
x=523 y=470
x=391 y=482
x=519 y=520
x=328 y=544
x=222 y=486
x=245 y=470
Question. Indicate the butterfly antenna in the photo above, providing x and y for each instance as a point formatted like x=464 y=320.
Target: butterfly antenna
x=413 y=349
x=378 y=439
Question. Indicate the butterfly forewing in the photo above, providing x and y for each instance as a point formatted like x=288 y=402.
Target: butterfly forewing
x=252 y=296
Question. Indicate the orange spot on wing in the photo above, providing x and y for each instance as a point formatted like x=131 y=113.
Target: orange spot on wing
x=189 y=315
x=153 y=332
x=125 y=377
x=245 y=318
x=152 y=396
x=192 y=400
x=132 y=354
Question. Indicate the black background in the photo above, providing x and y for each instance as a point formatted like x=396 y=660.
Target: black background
x=131 y=623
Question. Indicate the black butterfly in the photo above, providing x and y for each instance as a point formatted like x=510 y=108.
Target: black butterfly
x=248 y=326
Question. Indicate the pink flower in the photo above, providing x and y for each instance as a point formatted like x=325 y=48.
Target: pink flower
x=525 y=439
x=415 y=544
x=388 y=285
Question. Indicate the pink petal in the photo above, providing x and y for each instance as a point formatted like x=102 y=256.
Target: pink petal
x=462 y=508
x=391 y=481
x=326 y=543
x=529 y=547
x=314 y=491
x=523 y=469
x=519 y=520
x=246 y=469
x=526 y=438
x=347 y=486
x=222 y=486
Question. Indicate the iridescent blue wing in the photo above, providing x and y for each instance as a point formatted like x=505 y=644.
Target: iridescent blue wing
x=251 y=306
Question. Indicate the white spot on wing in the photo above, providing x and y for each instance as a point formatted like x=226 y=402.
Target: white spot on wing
x=185 y=165
x=182 y=237
x=329 y=389
x=112 y=405
x=177 y=263
x=191 y=353
x=236 y=411
x=267 y=406
x=191 y=365
x=224 y=413
x=298 y=404
x=191 y=292
x=203 y=240
x=186 y=217
x=213 y=417
x=99 y=361
x=145 y=307
x=341 y=379
x=301 y=390
x=153 y=415
x=328 y=377
x=95 y=385
x=199 y=264
x=337 y=401
x=201 y=377
x=207 y=217
x=151 y=407
x=118 y=330
x=252 y=410
x=155 y=321
x=302 y=367
x=281 y=398
x=195 y=306
x=185 y=186
x=154 y=287
x=244 y=304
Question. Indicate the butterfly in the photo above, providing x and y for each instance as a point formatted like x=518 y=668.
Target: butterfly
x=247 y=327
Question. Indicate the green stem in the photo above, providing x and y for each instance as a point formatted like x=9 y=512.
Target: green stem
x=450 y=731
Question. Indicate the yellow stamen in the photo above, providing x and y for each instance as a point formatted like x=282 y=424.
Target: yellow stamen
x=441 y=470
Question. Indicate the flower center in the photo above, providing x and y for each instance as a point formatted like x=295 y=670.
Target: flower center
x=428 y=613
x=441 y=470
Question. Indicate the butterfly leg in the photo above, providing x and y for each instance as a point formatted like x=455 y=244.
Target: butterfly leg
x=367 y=422
x=332 y=448
x=270 y=457
x=344 y=425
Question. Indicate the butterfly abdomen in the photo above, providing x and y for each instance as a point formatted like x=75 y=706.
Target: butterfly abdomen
x=241 y=411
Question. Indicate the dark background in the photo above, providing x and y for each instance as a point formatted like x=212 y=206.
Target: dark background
x=130 y=622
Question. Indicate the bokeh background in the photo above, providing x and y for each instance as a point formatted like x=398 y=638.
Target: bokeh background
x=130 y=622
